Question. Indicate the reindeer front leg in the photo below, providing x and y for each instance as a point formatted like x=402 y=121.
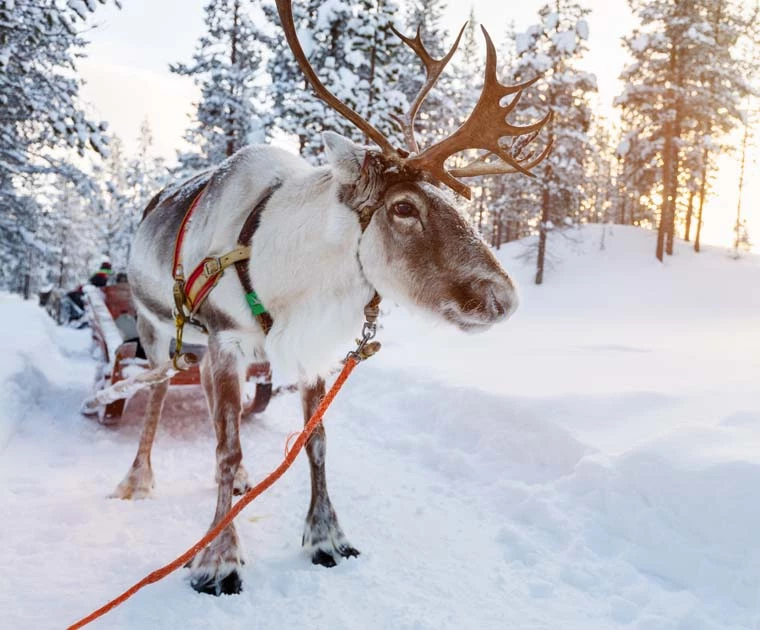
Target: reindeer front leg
x=322 y=535
x=215 y=569
x=242 y=484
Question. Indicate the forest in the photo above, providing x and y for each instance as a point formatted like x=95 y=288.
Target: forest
x=70 y=195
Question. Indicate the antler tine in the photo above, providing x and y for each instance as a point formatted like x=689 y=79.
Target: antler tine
x=480 y=167
x=285 y=10
x=433 y=69
x=483 y=129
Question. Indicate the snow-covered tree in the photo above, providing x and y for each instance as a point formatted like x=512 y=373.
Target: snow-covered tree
x=40 y=117
x=375 y=58
x=551 y=48
x=114 y=219
x=682 y=89
x=441 y=112
x=228 y=68
x=599 y=188
x=146 y=174
x=126 y=185
x=357 y=58
x=70 y=235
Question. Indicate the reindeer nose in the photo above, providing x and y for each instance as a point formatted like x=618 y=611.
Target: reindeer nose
x=502 y=298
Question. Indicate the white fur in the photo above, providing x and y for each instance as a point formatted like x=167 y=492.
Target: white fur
x=304 y=262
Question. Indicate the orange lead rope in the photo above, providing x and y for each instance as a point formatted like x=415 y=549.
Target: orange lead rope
x=351 y=362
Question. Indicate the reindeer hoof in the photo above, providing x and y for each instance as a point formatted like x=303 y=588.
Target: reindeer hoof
x=138 y=484
x=241 y=485
x=326 y=559
x=241 y=488
x=212 y=585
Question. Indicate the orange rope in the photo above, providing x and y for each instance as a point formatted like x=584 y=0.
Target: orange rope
x=249 y=496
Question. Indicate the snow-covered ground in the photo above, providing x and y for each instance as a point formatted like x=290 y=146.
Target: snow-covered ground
x=592 y=464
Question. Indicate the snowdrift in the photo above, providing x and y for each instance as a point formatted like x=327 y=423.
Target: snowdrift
x=592 y=464
x=34 y=369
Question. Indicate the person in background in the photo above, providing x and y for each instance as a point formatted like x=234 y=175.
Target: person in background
x=100 y=278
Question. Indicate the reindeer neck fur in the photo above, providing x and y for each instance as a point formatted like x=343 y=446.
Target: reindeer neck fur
x=305 y=267
x=304 y=263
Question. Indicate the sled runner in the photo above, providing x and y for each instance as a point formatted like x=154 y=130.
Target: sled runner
x=114 y=333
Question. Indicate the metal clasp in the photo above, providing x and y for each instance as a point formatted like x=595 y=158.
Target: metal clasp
x=212 y=267
x=365 y=347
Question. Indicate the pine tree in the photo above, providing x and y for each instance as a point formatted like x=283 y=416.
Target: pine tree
x=228 y=68
x=146 y=175
x=297 y=112
x=682 y=89
x=114 y=218
x=356 y=56
x=374 y=55
x=551 y=49
x=41 y=120
x=71 y=243
x=440 y=114
x=599 y=187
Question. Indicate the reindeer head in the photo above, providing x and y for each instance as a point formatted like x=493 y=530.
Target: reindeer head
x=416 y=246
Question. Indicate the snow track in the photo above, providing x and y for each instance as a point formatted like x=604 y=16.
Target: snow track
x=594 y=464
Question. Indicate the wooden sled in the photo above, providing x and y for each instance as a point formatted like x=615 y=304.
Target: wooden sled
x=112 y=316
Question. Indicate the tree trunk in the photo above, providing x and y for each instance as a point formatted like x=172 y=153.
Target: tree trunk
x=737 y=227
x=689 y=213
x=667 y=165
x=702 y=192
x=371 y=78
x=542 y=236
x=666 y=231
x=670 y=226
x=233 y=60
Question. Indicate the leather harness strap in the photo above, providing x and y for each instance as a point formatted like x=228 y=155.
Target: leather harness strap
x=241 y=266
x=207 y=274
x=190 y=294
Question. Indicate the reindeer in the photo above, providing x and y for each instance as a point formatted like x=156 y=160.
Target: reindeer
x=318 y=244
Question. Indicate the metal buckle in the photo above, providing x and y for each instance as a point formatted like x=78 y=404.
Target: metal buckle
x=212 y=267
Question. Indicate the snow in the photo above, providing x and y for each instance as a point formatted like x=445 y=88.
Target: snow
x=523 y=42
x=34 y=365
x=551 y=20
x=640 y=43
x=565 y=41
x=581 y=28
x=592 y=464
x=79 y=7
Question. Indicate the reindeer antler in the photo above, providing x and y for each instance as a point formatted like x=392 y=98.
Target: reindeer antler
x=433 y=69
x=285 y=9
x=482 y=165
x=485 y=128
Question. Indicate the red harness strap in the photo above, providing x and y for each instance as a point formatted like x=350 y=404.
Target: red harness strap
x=191 y=292
x=176 y=266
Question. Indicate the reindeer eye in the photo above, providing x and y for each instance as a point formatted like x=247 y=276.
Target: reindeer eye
x=404 y=210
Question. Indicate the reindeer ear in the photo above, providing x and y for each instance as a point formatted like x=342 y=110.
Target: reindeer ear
x=345 y=157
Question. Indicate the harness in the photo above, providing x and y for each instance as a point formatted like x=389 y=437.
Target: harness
x=191 y=293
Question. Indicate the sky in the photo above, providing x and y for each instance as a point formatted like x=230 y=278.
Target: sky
x=127 y=78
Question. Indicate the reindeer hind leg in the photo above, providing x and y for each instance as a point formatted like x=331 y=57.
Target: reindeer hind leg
x=139 y=483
